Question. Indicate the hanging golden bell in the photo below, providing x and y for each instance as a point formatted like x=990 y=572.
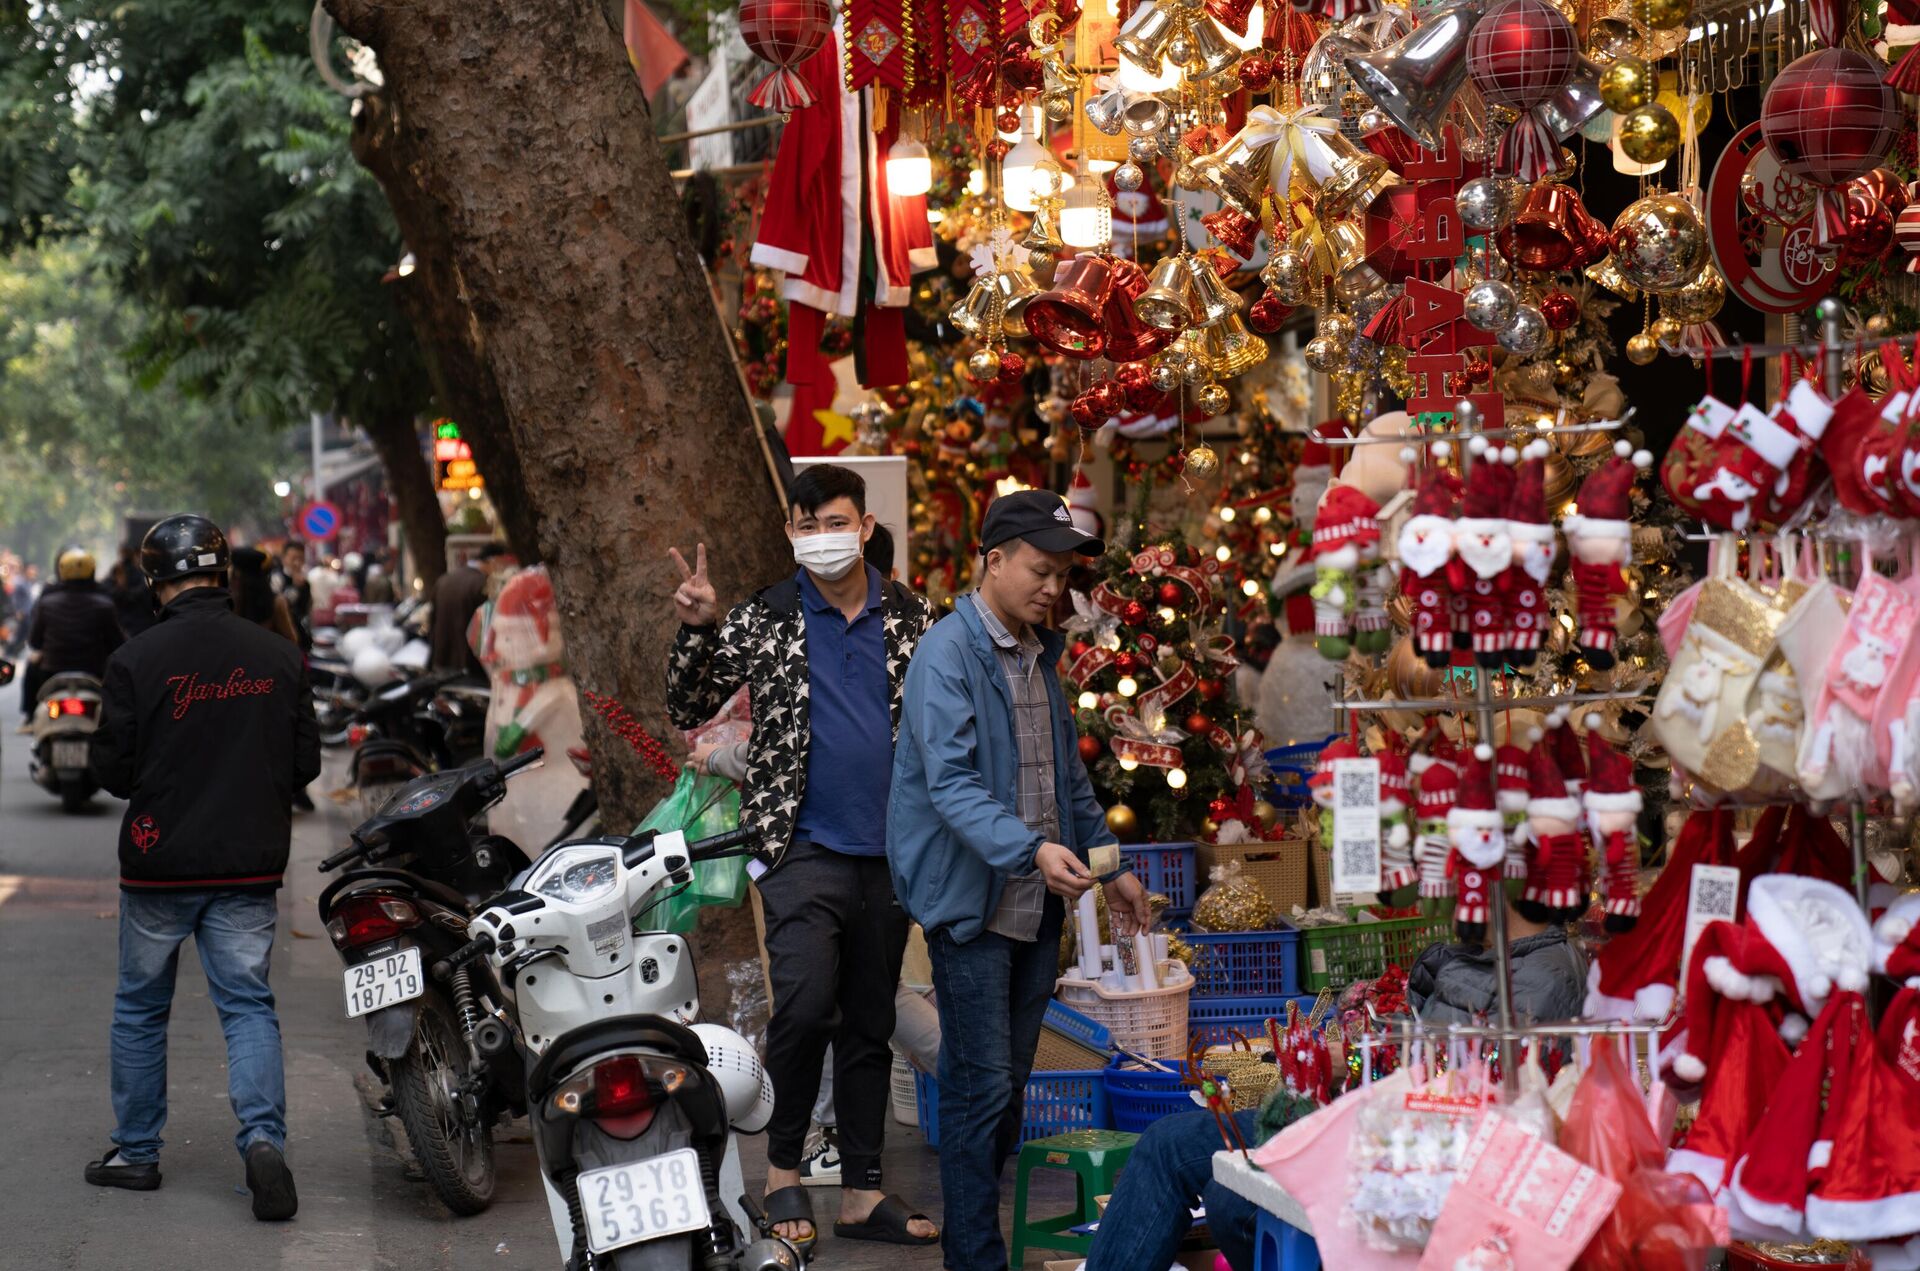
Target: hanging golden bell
x=1143 y=40
x=1168 y=302
x=1230 y=349
x=1043 y=234
x=1237 y=173
x=1143 y=116
x=1608 y=275
x=1358 y=178
x=1213 y=300
x=1211 y=53
x=1353 y=276
x=1016 y=288
x=970 y=316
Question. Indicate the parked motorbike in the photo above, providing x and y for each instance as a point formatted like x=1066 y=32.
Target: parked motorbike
x=631 y=1101
x=413 y=727
x=64 y=719
x=337 y=696
x=421 y=866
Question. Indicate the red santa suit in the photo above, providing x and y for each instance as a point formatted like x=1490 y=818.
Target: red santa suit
x=1523 y=586
x=1483 y=551
x=1600 y=540
x=815 y=215
x=1424 y=546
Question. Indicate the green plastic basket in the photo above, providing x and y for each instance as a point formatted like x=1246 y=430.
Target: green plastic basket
x=1334 y=957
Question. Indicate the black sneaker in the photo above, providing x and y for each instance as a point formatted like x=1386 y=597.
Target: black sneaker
x=111 y=1171
x=271 y=1183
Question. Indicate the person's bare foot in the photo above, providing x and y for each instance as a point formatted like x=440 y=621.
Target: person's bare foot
x=855 y=1206
x=798 y=1230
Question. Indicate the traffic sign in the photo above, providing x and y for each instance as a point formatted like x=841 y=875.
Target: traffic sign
x=320 y=520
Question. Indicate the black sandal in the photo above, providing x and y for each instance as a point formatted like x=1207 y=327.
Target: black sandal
x=887 y=1224
x=792 y=1204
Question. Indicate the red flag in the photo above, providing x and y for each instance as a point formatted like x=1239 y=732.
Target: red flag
x=656 y=56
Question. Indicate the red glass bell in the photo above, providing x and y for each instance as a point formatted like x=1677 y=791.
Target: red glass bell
x=1070 y=318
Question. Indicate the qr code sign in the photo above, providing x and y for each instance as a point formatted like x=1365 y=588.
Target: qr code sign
x=1358 y=789
x=1358 y=857
x=1717 y=896
x=1356 y=826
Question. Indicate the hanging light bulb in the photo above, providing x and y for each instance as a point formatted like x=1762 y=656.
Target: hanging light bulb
x=1086 y=218
x=977 y=182
x=1136 y=78
x=1128 y=765
x=1223 y=553
x=1088 y=701
x=1250 y=587
x=1127 y=686
x=1017 y=169
x=1226 y=514
x=1177 y=778
x=909 y=168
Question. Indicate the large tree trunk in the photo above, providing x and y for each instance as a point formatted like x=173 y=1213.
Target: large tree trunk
x=528 y=166
x=434 y=301
x=396 y=439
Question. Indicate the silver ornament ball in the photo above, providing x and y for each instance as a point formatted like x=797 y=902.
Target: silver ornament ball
x=1524 y=332
x=1127 y=177
x=1143 y=149
x=1490 y=305
x=1485 y=203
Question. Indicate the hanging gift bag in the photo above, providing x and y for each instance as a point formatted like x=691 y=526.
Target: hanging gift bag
x=1701 y=713
x=1838 y=740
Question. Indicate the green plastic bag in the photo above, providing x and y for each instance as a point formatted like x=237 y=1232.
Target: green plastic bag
x=699 y=807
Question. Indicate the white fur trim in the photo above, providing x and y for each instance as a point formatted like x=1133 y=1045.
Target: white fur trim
x=1820 y=1154
x=767 y=256
x=1531 y=531
x=1710 y=1170
x=1581 y=526
x=1399 y=835
x=1811 y=410
x=1511 y=800
x=1757 y=1220
x=1887 y=1256
x=1459 y=818
x=1483 y=752
x=1893 y=929
x=1623 y=447
x=1689 y=1067
x=1793 y=1028
x=1774 y=444
x=1818 y=929
x=1564 y=809
x=1888 y=1218
x=1727 y=979
x=1598 y=801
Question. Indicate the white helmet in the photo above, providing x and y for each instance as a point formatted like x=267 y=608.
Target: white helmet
x=737 y=1068
x=352 y=642
x=373 y=668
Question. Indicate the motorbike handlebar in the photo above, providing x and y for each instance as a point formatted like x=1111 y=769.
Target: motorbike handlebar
x=479 y=946
x=526 y=759
x=342 y=857
x=732 y=843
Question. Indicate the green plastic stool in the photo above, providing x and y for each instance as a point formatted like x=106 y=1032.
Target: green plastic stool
x=1096 y=1158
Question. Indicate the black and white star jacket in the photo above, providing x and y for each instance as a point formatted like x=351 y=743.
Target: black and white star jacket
x=763 y=645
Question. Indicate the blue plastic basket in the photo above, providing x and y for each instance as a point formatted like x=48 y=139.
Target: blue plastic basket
x=1062 y=1018
x=1291 y=766
x=1245 y=963
x=1168 y=869
x=1141 y=1096
x=1214 y=1021
x=1056 y=1103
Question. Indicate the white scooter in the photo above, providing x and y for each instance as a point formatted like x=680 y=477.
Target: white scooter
x=631 y=1100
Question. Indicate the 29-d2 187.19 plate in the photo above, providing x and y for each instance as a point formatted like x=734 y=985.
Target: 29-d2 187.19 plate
x=644 y=1200
x=386 y=981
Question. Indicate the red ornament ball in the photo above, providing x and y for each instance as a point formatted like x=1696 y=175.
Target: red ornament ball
x=1080 y=649
x=1479 y=366
x=1086 y=412
x=1007 y=121
x=998 y=147
x=1869 y=227
x=1219 y=809
x=1089 y=748
x=1457 y=383
x=1111 y=397
x=1256 y=73
x=1198 y=723
x=1829 y=118
x=1170 y=593
x=1560 y=310
x=1013 y=369
x=1211 y=690
x=1133 y=613
x=1269 y=313
x=1522 y=53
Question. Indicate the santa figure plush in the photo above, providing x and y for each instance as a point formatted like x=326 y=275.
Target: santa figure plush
x=1344 y=522
x=1083 y=505
x=1474 y=828
x=1600 y=539
x=1535 y=546
x=1612 y=803
x=1510 y=794
x=534 y=703
x=1483 y=551
x=1320 y=784
x=1425 y=546
x=1372 y=626
x=1553 y=826
x=1396 y=835
x=1438 y=785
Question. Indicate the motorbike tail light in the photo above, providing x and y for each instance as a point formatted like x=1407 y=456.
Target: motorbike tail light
x=369 y=919
x=620 y=1087
x=357 y=733
x=56 y=707
x=621 y=1093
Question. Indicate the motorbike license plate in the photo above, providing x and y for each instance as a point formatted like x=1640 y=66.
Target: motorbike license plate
x=69 y=754
x=644 y=1200
x=384 y=981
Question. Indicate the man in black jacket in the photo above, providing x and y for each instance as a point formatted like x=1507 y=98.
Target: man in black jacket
x=207 y=730
x=73 y=628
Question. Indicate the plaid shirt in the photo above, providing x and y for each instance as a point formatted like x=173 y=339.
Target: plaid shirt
x=1023 y=900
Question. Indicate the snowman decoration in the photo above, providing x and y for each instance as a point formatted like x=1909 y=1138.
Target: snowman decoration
x=518 y=639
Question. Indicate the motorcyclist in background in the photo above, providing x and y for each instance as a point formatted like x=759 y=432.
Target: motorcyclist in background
x=73 y=628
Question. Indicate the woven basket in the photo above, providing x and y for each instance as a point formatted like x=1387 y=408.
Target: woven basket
x=1280 y=868
x=1152 y=1022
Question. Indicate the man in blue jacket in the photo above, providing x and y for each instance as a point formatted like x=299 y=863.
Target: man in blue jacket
x=988 y=831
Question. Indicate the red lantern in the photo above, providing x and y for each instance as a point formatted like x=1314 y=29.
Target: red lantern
x=1521 y=54
x=785 y=33
x=1393 y=226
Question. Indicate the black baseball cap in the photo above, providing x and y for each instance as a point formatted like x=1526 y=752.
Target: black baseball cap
x=1041 y=518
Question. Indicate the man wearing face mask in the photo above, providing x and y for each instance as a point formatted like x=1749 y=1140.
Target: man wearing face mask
x=989 y=830
x=823 y=655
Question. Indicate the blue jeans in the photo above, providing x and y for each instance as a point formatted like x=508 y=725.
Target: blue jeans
x=993 y=995
x=234 y=934
x=1170 y=1171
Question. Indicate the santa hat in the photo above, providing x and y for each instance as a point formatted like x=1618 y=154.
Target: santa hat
x=1083 y=505
x=1865 y=1160
x=1346 y=516
x=1610 y=786
x=1749 y=1060
x=1316 y=456
x=1394 y=788
x=1546 y=788
x=1439 y=785
x=1435 y=501
x=1510 y=778
x=1606 y=496
x=1338 y=748
x=1802 y=938
x=1489 y=486
x=1527 y=506
x=1567 y=755
x=1473 y=805
x=1896 y=941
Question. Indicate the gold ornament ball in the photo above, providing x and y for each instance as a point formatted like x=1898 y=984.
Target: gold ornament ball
x=1187 y=177
x=1649 y=134
x=1265 y=812
x=1213 y=399
x=1641 y=349
x=1408 y=675
x=1879 y=324
x=1560 y=478
x=1662 y=15
x=1338 y=327
x=1610 y=39
x=1124 y=822
x=1202 y=461
x=1628 y=84
x=1324 y=355
x=1666 y=330
x=1700 y=299
x=1194 y=369
x=1058 y=105
x=1165 y=375
x=984 y=365
x=1286 y=273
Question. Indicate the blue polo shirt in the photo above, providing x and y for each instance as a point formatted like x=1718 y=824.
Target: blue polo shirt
x=850 y=751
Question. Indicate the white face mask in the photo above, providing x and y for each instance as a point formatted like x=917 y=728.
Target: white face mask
x=828 y=555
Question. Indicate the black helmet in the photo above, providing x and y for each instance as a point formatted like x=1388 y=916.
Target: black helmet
x=181 y=546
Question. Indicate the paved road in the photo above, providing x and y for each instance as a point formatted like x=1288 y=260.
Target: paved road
x=358 y=1208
